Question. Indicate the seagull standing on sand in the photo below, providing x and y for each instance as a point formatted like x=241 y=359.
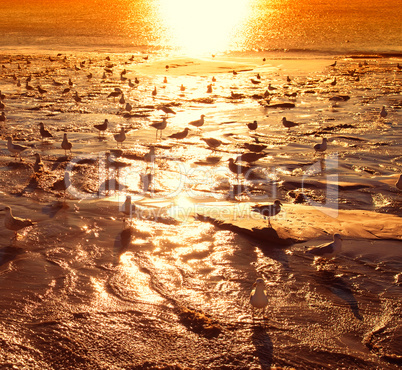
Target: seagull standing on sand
x=120 y=137
x=269 y=210
x=180 y=135
x=15 y=223
x=252 y=126
x=321 y=147
x=289 y=124
x=45 y=134
x=160 y=126
x=383 y=112
x=127 y=208
x=329 y=250
x=102 y=127
x=212 y=142
x=256 y=148
x=39 y=167
x=150 y=156
x=250 y=157
x=238 y=169
x=258 y=296
x=15 y=148
x=166 y=110
x=65 y=144
x=62 y=184
x=199 y=122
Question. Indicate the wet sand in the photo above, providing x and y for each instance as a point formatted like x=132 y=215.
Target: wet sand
x=169 y=288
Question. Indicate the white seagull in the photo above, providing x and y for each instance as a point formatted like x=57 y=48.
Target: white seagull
x=15 y=223
x=328 y=250
x=258 y=296
x=15 y=148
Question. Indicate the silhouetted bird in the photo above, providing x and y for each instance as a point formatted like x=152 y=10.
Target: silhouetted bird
x=180 y=135
x=65 y=144
x=289 y=124
x=252 y=125
x=269 y=210
x=45 y=134
x=102 y=127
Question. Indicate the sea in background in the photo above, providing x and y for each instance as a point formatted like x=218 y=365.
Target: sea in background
x=167 y=286
x=304 y=26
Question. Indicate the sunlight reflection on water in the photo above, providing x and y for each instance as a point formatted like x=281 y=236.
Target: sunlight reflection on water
x=198 y=27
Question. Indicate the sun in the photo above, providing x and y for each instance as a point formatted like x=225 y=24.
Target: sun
x=203 y=26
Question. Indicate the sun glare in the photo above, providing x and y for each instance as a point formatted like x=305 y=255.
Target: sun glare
x=203 y=26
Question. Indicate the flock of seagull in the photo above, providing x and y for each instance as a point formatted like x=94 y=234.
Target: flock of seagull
x=258 y=297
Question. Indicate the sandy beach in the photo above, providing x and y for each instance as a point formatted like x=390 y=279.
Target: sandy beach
x=167 y=286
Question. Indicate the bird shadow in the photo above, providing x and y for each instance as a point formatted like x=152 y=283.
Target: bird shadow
x=340 y=288
x=263 y=346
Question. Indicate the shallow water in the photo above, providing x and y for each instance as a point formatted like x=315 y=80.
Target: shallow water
x=80 y=290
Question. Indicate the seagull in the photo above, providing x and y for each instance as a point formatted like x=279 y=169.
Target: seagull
x=77 y=98
x=237 y=168
x=65 y=144
x=127 y=208
x=269 y=210
x=289 y=124
x=41 y=90
x=255 y=147
x=15 y=148
x=15 y=223
x=166 y=110
x=383 y=112
x=62 y=184
x=43 y=132
x=252 y=125
x=212 y=142
x=198 y=123
x=150 y=156
x=328 y=250
x=250 y=157
x=102 y=127
x=180 y=135
x=399 y=183
x=321 y=147
x=38 y=165
x=258 y=296
x=160 y=126
x=333 y=64
x=145 y=181
x=120 y=137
